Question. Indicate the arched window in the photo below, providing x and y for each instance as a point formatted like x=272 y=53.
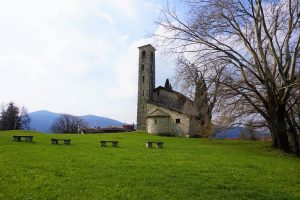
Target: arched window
x=142 y=67
x=143 y=54
x=143 y=79
x=143 y=93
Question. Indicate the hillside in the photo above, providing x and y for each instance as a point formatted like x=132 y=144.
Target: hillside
x=42 y=120
x=185 y=169
x=235 y=133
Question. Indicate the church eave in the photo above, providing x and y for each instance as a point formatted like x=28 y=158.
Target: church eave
x=167 y=107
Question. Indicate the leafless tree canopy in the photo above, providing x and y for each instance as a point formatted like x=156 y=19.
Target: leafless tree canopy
x=68 y=124
x=256 y=45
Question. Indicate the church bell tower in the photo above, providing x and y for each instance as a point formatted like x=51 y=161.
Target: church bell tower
x=146 y=83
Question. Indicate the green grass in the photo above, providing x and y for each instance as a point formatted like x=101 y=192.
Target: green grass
x=184 y=169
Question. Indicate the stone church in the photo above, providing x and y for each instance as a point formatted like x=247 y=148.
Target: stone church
x=162 y=110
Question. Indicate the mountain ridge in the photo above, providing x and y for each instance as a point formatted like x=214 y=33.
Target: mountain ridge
x=43 y=119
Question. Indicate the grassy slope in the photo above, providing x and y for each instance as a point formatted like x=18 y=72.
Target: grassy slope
x=184 y=169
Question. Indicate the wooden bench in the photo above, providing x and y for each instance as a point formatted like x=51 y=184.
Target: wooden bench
x=55 y=141
x=113 y=143
x=27 y=138
x=160 y=145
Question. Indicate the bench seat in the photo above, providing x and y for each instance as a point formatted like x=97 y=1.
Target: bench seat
x=27 y=138
x=113 y=143
x=55 y=141
x=149 y=144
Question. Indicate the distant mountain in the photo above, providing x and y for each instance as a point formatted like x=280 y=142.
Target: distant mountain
x=235 y=133
x=42 y=120
x=229 y=133
x=96 y=121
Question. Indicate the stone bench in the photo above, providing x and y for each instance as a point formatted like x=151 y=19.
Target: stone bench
x=113 y=143
x=55 y=141
x=27 y=138
x=160 y=145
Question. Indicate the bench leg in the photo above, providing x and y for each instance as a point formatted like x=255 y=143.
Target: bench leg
x=54 y=142
x=149 y=145
x=115 y=144
x=103 y=144
x=67 y=142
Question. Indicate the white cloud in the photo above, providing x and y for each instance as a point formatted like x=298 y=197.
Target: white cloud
x=105 y=16
x=127 y=65
x=71 y=55
x=125 y=6
x=127 y=71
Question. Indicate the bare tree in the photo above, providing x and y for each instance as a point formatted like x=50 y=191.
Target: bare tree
x=293 y=118
x=66 y=123
x=24 y=119
x=200 y=82
x=259 y=44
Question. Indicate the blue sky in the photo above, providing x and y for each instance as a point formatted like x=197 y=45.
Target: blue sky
x=77 y=56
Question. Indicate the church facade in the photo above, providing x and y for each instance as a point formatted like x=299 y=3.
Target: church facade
x=162 y=110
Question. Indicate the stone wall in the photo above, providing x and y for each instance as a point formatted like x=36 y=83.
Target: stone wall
x=179 y=129
x=158 y=125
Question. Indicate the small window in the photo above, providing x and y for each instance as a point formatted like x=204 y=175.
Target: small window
x=143 y=79
x=143 y=93
x=155 y=122
x=144 y=54
x=151 y=68
x=177 y=121
x=142 y=67
x=152 y=56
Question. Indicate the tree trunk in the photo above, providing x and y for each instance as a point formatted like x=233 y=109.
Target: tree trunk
x=293 y=134
x=278 y=128
x=295 y=142
x=274 y=138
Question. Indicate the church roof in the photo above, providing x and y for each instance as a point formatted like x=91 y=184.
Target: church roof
x=158 y=113
x=166 y=107
x=172 y=91
x=147 y=46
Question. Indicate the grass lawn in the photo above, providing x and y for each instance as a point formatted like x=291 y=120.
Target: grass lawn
x=184 y=169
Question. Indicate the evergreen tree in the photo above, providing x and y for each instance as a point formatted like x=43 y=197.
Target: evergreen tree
x=12 y=119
